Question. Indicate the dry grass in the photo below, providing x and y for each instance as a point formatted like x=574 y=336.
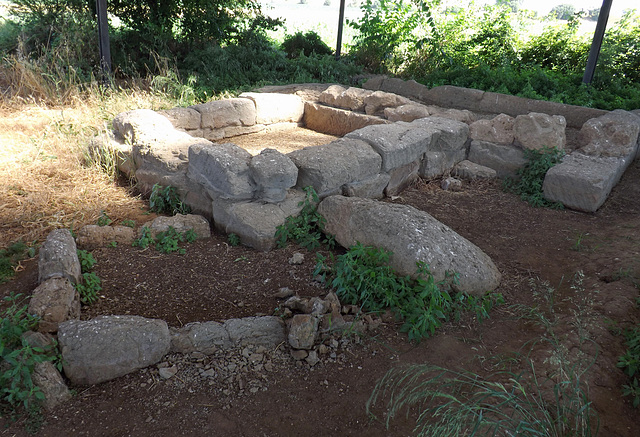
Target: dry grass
x=45 y=181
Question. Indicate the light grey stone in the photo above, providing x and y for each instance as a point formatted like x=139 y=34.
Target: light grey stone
x=183 y=118
x=59 y=257
x=141 y=126
x=276 y=108
x=47 y=378
x=471 y=171
x=108 y=347
x=335 y=121
x=274 y=173
x=536 y=130
x=181 y=223
x=461 y=115
x=345 y=98
x=267 y=331
x=451 y=184
x=206 y=337
x=612 y=135
x=505 y=160
x=371 y=188
x=92 y=236
x=411 y=235
x=379 y=100
x=54 y=301
x=409 y=112
x=583 y=182
x=303 y=330
x=223 y=170
x=398 y=144
x=498 y=130
x=328 y=167
x=401 y=177
x=219 y=114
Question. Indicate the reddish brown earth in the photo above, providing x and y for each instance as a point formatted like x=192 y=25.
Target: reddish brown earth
x=214 y=281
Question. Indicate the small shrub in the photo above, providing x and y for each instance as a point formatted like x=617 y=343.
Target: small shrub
x=307 y=228
x=630 y=363
x=363 y=277
x=104 y=219
x=87 y=261
x=145 y=238
x=129 y=223
x=167 y=241
x=529 y=179
x=165 y=200
x=306 y=44
x=234 y=239
x=88 y=288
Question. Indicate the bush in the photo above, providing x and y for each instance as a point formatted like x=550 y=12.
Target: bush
x=166 y=200
x=308 y=43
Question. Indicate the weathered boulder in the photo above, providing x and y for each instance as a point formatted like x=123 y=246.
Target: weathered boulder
x=255 y=222
x=409 y=112
x=401 y=177
x=398 y=144
x=59 y=257
x=187 y=119
x=223 y=170
x=411 y=235
x=471 y=171
x=505 y=160
x=376 y=102
x=274 y=173
x=181 y=223
x=108 y=347
x=536 y=130
x=303 y=330
x=276 y=108
x=205 y=337
x=328 y=167
x=141 y=127
x=583 y=182
x=447 y=148
x=92 y=236
x=267 y=331
x=335 y=121
x=219 y=114
x=371 y=188
x=54 y=301
x=345 y=98
x=498 y=130
x=612 y=135
x=462 y=115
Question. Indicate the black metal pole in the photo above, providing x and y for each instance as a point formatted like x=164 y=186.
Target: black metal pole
x=340 y=26
x=598 y=36
x=103 y=37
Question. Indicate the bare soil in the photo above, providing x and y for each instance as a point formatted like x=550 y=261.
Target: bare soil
x=215 y=281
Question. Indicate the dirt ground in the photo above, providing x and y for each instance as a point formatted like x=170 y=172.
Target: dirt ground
x=215 y=281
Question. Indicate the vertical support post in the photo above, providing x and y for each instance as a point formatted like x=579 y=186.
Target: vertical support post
x=598 y=36
x=103 y=38
x=340 y=26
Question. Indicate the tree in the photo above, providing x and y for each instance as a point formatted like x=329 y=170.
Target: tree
x=593 y=14
x=514 y=5
x=563 y=11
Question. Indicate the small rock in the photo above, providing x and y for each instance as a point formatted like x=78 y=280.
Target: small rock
x=299 y=354
x=167 y=372
x=312 y=359
x=297 y=258
x=284 y=292
x=451 y=184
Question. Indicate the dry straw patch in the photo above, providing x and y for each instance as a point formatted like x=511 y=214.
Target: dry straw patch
x=46 y=181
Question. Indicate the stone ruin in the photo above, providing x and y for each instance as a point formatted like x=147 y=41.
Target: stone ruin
x=392 y=132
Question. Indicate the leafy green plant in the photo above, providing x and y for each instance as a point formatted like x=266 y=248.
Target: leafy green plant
x=530 y=177
x=104 y=219
x=234 y=239
x=18 y=393
x=10 y=257
x=630 y=363
x=145 y=238
x=87 y=261
x=166 y=241
x=306 y=43
x=363 y=277
x=307 y=228
x=129 y=223
x=88 y=288
x=166 y=200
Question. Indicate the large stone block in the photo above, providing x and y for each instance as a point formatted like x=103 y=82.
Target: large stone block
x=371 y=188
x=92 y=236
x=505 y=160
x=108 y=347
x=411 y=235
x=141 y=126
x=183 y=118
x=409 y=112
x=583 y=182
x=59 y=257
x=267 y=331
x=614 y=134
x=498 y=130
x=274 y=173
x=223 y=170
x=205 y=337
x=536 y=130
x=334 y=121
x=378 y=101
x=328 y=167
x=345 y=98
x=398 y=144
x=276 y=108
x=181 y=223
x=219 y=114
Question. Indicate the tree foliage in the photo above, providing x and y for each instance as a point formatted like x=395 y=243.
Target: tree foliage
x=563 y=12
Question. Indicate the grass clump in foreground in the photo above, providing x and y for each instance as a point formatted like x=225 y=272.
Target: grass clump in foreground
x=362 y=276
x=630 y=363
x=529 y=179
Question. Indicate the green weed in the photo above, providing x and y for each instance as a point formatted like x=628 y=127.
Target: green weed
x=528 y=182
x=166 y=200
x=307 y=228
x=88 y=288
x=363 y=277
x=87 y=261
x=167 y=241
x=630 y=363
x=129 y=223
x=145 y=238
x=11 y=256
x=234 y=239
x=104 y=219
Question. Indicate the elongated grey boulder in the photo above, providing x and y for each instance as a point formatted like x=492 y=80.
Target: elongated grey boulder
x=411 y=235
x=59 y=257
x=265 y=331
x=108 y=347
x=204 y=337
